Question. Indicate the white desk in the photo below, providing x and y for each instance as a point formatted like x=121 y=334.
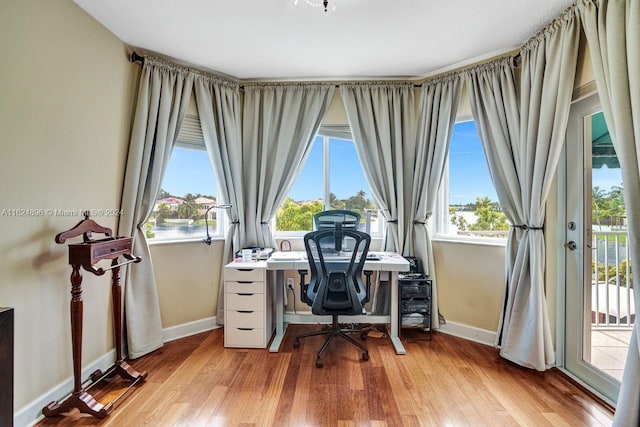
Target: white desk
x=389 y=261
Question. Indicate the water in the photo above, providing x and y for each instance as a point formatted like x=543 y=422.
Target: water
x=180 y=231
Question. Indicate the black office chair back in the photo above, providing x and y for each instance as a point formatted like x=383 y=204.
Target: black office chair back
x=335 y=285
x=325 y=220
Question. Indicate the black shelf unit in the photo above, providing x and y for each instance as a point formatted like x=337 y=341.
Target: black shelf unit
x=415 y=304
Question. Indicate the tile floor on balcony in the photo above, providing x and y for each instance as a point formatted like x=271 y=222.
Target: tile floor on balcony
x=609 y=350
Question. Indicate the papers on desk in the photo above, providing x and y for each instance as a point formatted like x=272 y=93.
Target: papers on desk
x=286 y=256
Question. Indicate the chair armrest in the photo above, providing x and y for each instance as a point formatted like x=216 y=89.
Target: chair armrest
x=303 y=287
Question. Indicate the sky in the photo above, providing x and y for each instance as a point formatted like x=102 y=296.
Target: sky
x=345 y=180
x=468 y=172
x=189 y=171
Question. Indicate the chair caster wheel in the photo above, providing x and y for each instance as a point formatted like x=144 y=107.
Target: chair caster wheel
x=365 y=356
x=296 y=343
x=318 y=363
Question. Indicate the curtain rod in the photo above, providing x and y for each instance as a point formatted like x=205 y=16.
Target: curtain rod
x=134 y=57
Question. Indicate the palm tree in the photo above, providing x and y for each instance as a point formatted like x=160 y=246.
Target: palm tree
x=188 y=209
x=617 y=207
x=598 y=205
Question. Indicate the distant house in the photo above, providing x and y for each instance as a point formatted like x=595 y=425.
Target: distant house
x=172 y=202
x=205 y=203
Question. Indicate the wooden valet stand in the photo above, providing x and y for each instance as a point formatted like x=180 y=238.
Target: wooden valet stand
x=85 y=255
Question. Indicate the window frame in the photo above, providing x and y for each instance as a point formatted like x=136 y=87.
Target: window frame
x=327 y=132
x=440 y=224
x=190 y=137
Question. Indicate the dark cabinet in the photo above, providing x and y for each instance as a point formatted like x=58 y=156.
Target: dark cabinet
x=415 y=303
x=6 y=366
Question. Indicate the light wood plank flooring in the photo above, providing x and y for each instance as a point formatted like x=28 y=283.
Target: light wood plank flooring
x=448 y=381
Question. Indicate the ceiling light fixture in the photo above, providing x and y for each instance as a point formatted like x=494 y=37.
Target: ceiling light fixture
x=313 y=3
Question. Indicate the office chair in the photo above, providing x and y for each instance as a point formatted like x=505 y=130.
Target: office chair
x=335 y=287
x=325 y=220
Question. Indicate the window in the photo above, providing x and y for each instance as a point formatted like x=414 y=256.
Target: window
x=469 y=201
x=189 y=189
x=332 y=178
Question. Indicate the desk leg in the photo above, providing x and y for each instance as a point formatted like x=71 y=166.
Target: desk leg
x=281 y=328
x=393 y=311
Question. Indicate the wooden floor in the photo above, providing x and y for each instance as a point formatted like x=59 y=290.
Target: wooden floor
x=448 y=381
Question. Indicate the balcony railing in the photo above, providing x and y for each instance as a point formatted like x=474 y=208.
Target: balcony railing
x=612 y=303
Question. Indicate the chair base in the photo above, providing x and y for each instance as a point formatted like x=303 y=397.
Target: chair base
x=333 y=332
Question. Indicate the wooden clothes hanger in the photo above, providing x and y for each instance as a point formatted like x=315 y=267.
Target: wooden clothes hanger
x=84 y=227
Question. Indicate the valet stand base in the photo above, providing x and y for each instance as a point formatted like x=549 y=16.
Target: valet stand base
x=86 y=403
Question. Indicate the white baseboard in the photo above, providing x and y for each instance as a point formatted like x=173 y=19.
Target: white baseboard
x=188 y=329
x=471 y=333
x=32 y=413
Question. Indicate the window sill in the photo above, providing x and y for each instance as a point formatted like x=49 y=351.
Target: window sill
x=182 y=241
x=478 y=241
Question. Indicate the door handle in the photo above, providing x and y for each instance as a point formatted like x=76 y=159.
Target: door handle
x=571 y=245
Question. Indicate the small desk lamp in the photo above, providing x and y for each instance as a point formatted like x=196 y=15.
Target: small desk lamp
x=206 y=220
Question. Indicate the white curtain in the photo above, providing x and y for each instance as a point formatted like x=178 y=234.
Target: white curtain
x=403 y=150
x=163 y=96
x=280 y=122
x=523 y=154
x=612 y=28
x=220 y=114
x=439 y=101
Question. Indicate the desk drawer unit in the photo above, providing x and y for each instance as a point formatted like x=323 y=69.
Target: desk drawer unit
x=248 y=321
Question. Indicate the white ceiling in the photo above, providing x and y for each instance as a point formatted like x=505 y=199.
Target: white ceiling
x=282 y=40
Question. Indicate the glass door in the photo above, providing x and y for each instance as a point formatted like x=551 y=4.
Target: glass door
x=599 y=311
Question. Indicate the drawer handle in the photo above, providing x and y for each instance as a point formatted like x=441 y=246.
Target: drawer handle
x=245 y=311
x=246 y=329
x=244 y=282
x=245 y=295
x=245 y=269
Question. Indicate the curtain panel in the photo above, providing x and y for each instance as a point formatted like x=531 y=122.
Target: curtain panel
x=219 y=108
x=383 y=121
x=403 y=147
x=439 y=100
x=163 y=96
x=612 y=28
x=280 y=122
x=529 y=157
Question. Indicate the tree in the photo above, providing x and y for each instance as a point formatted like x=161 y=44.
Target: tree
x=489 y=218
x=294 y=216
x=163 y=194
x=188 y=208
x=148 y=230
x=616 y=205
x=358 y=203
x=458 y=220
x=607 y=206
x=335 y=203
x=164 y=212
x=598 y=205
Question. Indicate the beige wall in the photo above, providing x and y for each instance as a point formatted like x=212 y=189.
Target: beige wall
x=470 y=283
x=67 y=95
x=187 y=276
